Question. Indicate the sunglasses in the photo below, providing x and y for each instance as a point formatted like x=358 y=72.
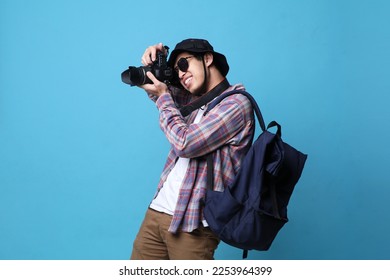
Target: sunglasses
x=182 y=64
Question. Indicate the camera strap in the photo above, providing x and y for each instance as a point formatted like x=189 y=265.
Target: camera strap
x=205 y=98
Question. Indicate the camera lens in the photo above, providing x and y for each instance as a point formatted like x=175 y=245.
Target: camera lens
x=136 y=76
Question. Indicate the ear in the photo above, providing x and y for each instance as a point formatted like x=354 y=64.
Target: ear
x=208 y=58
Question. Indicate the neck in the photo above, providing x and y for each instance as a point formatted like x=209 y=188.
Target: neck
x=213 y=79
x=214 y=83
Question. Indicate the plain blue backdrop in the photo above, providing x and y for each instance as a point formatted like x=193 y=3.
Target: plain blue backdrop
x=81 y=152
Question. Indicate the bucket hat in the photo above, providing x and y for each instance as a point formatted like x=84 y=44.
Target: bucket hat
x=200 y=46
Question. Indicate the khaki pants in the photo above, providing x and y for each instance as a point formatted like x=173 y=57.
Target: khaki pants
x=154 y=242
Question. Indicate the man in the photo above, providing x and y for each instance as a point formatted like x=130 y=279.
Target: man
x=174 y=226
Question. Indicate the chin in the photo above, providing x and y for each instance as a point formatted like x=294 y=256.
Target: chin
x=196 y=91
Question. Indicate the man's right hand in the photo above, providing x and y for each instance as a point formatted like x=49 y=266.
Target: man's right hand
x=150 y=54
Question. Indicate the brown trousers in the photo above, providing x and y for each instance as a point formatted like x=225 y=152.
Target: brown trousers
x=154 y=242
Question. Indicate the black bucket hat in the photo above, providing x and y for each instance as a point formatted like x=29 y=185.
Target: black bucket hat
x=200 y=46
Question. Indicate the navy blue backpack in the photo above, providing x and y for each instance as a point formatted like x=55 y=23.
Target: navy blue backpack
x=249 y=213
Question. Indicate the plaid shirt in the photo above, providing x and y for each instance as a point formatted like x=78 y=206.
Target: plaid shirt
x=227 y=131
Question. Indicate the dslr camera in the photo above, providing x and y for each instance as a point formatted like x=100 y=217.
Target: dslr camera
x=136 y=76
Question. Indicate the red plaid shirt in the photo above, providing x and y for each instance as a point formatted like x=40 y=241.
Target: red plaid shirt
x=227 y=131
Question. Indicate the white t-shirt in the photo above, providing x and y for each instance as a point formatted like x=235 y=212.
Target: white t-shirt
x=168 y=195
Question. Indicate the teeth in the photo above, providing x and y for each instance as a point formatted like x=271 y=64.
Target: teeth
x=187 y=80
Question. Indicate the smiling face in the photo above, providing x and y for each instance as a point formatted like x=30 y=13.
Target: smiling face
x=193 y=78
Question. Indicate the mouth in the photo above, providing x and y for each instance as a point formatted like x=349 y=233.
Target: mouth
x=187 y=81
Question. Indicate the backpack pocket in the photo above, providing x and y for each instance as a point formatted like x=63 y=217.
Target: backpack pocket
x=219 y=208
x=254 y=230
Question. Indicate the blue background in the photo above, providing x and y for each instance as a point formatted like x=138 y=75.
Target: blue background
x=81 y=152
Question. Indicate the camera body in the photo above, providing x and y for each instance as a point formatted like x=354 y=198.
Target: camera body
x=136 y=76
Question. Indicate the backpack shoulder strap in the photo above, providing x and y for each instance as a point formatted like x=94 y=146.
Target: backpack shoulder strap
x=251 y=99
x=209 y=157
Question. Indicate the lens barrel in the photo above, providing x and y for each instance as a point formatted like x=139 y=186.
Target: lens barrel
x=136 y=76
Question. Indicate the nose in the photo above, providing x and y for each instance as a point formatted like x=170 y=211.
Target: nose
x=181 y=74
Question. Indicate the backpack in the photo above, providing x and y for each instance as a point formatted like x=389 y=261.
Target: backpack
x=249 y=213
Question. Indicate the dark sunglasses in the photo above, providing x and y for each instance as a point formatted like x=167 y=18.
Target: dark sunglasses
x=182 y=64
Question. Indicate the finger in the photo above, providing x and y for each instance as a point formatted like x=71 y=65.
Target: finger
x=146 y=57
x=159 y=86
x=150 y=54
x=152 y=78
x=158 y=47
